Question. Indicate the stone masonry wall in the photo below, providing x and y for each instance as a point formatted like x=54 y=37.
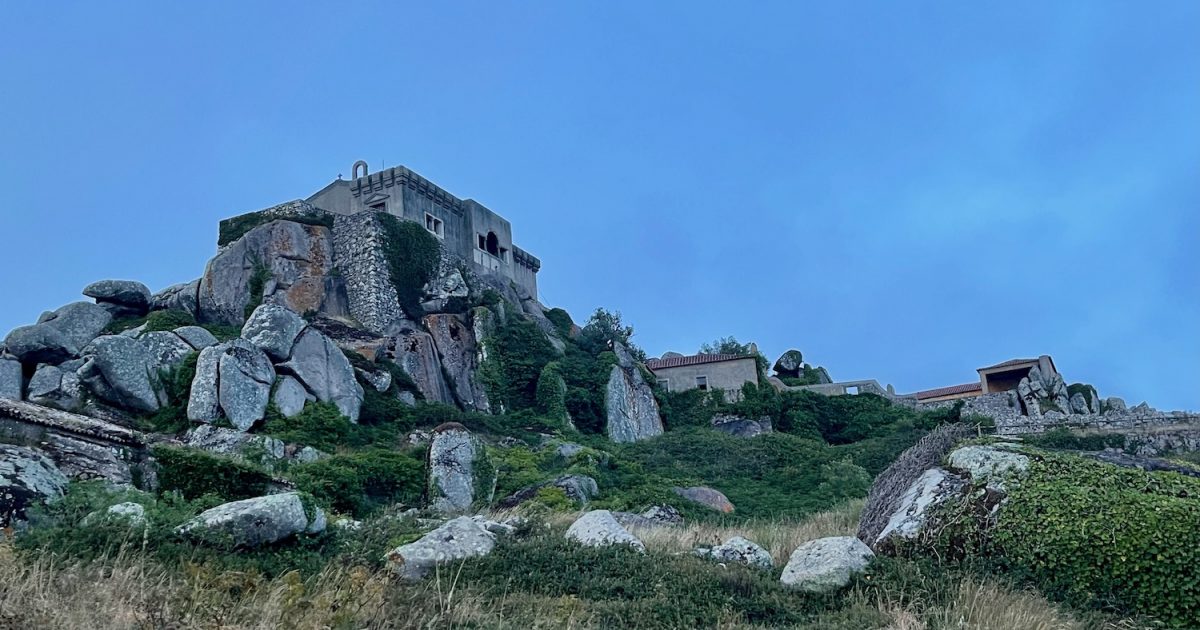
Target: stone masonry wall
x=358 y=255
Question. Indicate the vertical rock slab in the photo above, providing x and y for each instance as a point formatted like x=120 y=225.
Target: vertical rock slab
x=457 y=348
x=129 y=372
x=319 y=364
x=454 y=455
x=629 y=404
x=11 y=379
x=416 y=353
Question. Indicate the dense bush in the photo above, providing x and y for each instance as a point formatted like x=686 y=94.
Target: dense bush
x=1098 y=535
x=519 y=352
x=1063 y=438
x=359 y=483
x=552 y=394
x=562 y=321
x=233 y=228
x=319 y=425
x=194 y=474
x=413 y=256
x=168 y=320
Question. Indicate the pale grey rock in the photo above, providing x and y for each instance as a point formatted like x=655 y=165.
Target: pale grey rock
x=789 y=363
x=578 y=488
x=455 y=344
x=254 y=522
x=129 y=513
x=447 y=284
x=742 y=427
x=568 y=449
x=738 y=550
x=1114 y=405
x=988 y=464
x=708 y=497
x=11 y=379
x=59 y=335
x=599 y=528
x=826 y=564
x=290 y=396
x=418 y=438
x=407 y=398
x=456 y=540
x=631 y=410
x=27 y=477
x=663 y=514
x=299 y=258
x=245 y=376
x=1079 y=404
x=133 y=296
x=934 y=487
x=416 y=354
x=379 y=380
x=134 y=333
x=308 y=455
x=233 y=378
x=178 y=297
x=129 y=373
x=196 y=337
x=1142 y=408
x=321 y=367
x=54 y=386
x=166 y=349
x=273 y=329
x=223 y=441
x=452 y=455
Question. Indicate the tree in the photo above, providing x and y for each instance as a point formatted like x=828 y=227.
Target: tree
x=727 y=345
x=606 y=326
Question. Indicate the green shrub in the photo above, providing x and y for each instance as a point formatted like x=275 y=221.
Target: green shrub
x=552 y=394
x=519 y=351
x=562 y=321
x=1098 y=535
x=360 y=482
x=1089 y=393
x=413 y=256
x=120 y=325
x=231 y=229
x=194 y=474
x=319 y=425
x=688 y=408
x=1063 y=438
x=168 y=320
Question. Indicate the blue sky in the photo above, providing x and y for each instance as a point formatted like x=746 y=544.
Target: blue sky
x=904 y=191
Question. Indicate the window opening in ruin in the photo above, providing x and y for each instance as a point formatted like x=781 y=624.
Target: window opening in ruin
x=702 y=382
x=434 y=225
x=381 y=206
x=665 y=383
x=482 y=242
x=493 y=244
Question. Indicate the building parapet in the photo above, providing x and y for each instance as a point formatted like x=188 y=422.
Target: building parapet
x=402 y=176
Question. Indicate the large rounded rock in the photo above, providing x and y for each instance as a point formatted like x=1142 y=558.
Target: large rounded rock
x=178 y=297
x=452 y=463
x=988 y=464
x=234 y=379
x=59 y=335
x=260 y=448
x=124 y=373
x=826 y=564
x=166 y=348
x=121 y=297
x=286 y=263
x=273 y=329
x=27 y=477
x=254 y=522
x=455 y=540
x=708 y=497
x=599 y=528
x=321 y=367
x=54 y=386
x=196 y=337
x=290 y=397
x=790 y=363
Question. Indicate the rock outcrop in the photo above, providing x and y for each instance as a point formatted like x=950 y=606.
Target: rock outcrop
x=122 y=298
x=456 y=540
x=456 y=347
x=742 y=427
x=738 y=550
x=415 y=352
x=708 y=497
x=826 y=564
x=453 y=455
x=599 y=528
x=631 y=410
x=233 y=379
x=121 y=370
x=578 y=488
x=789 y=364
x=254 y=522
x=27 y=477
x=11 y=379
x=283 y=262
x=59 y=335
x=321 y=367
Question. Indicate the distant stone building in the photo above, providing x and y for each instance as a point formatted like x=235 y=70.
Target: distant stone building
x=1001 y=377
x=466 y=227
x=727 y=372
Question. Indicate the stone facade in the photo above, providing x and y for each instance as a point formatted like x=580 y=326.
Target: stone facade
x=725 y=372
x=465 y=227
x=358 y=256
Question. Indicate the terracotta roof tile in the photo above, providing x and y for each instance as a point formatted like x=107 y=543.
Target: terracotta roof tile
x=695 y=359
x=946 y=391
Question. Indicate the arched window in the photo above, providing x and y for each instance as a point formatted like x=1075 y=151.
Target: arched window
x=493 y=244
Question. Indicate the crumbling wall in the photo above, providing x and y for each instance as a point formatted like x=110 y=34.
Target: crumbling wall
x=358 y=256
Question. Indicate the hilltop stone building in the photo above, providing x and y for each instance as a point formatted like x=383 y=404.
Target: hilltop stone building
x=727 y=372
x=1001 y=377
x=466 y=227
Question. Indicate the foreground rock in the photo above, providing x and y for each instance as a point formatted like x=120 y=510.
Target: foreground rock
x=632 y=412
x=457 y=539
x=599 y=528
x=934 y=487
x=232 y=379
x=988 y=464
x=826 y=564
x=59 y=335
x=121 y=370
x=122 y=298
x=738 y=550
x=452 y=456
x=254 y=522
x=27 y=477
x=708 y=497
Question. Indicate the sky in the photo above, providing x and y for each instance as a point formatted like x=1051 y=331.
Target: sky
x=903 y=191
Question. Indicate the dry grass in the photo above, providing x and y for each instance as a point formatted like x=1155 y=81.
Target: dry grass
x=780 y=537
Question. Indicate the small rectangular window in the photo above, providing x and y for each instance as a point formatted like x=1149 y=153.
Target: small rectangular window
x=434 y=225
x=482 y=242
x=665 y=384
x=379 y=207
x=702 y=382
